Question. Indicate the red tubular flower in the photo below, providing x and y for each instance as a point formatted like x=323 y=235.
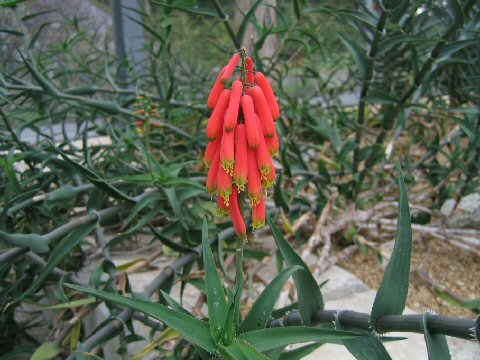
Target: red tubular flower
x=240 y=171
x=212 y=176
x=273 y=144
x=262 y=109
x=214 y=127
x=269 y=179
x=250 y=121
x=236 y=215
x=211 y=151
x=222 y=206
x=254 y=179
x=249 y=67
x=227 y=152
x=240 y=155
x=231 y=115
x=258 y=214
x=216 y=91
x=264 y=84
x=224 y=184
x=264 y=160
x=230 y=68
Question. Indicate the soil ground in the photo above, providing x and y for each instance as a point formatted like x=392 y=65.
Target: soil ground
x=447 y=265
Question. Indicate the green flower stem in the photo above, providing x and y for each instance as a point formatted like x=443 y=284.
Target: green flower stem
x=239 y=245
x=243 y=70
x=239 y=260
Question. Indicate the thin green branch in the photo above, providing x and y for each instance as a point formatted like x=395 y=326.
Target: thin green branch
x=229 y=28
x=366 y=84
x=12 y=254
x=45 y=197
x=105 y=106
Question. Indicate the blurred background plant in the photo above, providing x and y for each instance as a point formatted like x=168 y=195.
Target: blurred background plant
x=361 y=84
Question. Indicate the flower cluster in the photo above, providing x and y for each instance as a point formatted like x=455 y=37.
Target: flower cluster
x=243 y=139
x=146 y=109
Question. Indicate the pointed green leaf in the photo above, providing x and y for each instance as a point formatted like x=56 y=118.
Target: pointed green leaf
x=261 y=310
x=46 y=351
x=456 y=9
x=148 y=29
x=49 y=88
x=192 y=329
x=233 y=313
x=58 y=254
x=11 y=32
x=437 y=346
x=364 y=17
x=358 y=54
x=39 y=13
x=471 y=304
x=18 y=353
x=94 y=178
x=10 y=3
x=390 y=42
x=455 y=46
x=379 y=97
x=175 y=204
x=217 y=304
x=246 y=20
x=174 y=304
x=109 y=107
x=392 y=294
x=347 y=14
x=272 y=338
x=309 y=296
x=168 y=242
x=35 y=36
x=300 y=353
x=240 y=350
x=278 y=194
x=71 y=304
x=189 y=9
x=140 y=206
x=367 y=348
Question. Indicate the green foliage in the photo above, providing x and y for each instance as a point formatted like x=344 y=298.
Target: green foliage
x=437 y=346
x=194 y=330
x=309 y=296
x=392 y=294
x=367 y=347
x=217 y=304
x=261 y=311
x=359 y=91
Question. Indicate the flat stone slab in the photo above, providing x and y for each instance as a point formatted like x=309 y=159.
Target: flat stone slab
x=361 y=300
x=343 y=291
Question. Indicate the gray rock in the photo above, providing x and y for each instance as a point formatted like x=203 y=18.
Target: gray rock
x=448 y=207
x=466 y=214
